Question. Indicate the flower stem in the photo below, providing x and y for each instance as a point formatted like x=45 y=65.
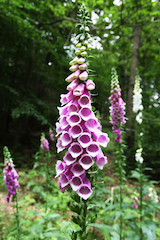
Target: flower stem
x=121 y=175
x=121 y=199
x=17 y=218
x=84 y=235
x=141 y=200
x=47 y=179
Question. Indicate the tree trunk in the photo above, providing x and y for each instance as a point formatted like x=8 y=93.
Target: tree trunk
x=130 y=133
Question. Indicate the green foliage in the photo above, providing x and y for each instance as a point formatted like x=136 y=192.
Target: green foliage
x=31 y=47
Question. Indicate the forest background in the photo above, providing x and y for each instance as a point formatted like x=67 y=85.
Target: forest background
x=35 y=48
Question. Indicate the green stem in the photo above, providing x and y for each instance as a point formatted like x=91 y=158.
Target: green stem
x=47 y=179
x=121 y=202
x=120 y=166
x=141 y=200
x=83 y=237
x=17 y=218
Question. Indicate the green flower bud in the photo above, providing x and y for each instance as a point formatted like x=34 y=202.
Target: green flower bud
x=74 y=61
x=83 y=54
x=83 y=48
x=85 y=42
x=81 y=60
x=82 y=38
x=89 y=47
x=78 y=45
x=77 y=52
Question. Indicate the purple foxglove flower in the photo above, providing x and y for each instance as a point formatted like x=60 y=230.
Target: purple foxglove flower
x=135 y=206
x=66 y=139
x=74 y=107
x=51 y=135
x=74 y=119
x=73 y=85
x=59 y=129
x=59 y=145
x=75 y=131
x=44 y=144
x=84 y=101
x=86 y=92
x=78 y=91
x=93 y=149
x=77 y=169
x=60 y=167
x=86 y=161
x=75 y=149
x=62 y=189
x=63 y=110
x=102 y=138
x=85 y=113
x=68 y=173
x=63 y=122
x=66 y=98
x=74 y=67
x=10 y=174
x=81 y=60
x=85 y=139
x=83 y=66
x=117 y=109
x=85 y=190
x=69 y=159
x=64 y=179
x=76 y=182
x=83 y=76
x=90 y=85
x=76 y=127
x=100 y=159
x=91 y=124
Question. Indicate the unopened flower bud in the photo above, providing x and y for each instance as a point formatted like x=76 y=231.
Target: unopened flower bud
x=77 y=52
x=74 y=61
x=73 y=67
x=77 y=37
x=73 y=85
x=89 y=47
x=83 y=54
x=81 y=60
x=78 y=45
x=90 y=85
x=83 y=66
x=76 y=73
x=83 y=76
x=78 y=91
x=85 y=42
x=83 y=48
x=87 y=29
x=70 y=78
x=82 y=37
x=136 y=199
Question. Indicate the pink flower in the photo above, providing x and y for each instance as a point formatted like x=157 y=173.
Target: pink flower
x=44 y=143
x=135 y=206
x=51 y=134
x=117 y=108
x=79 y=133
x=10 y=175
